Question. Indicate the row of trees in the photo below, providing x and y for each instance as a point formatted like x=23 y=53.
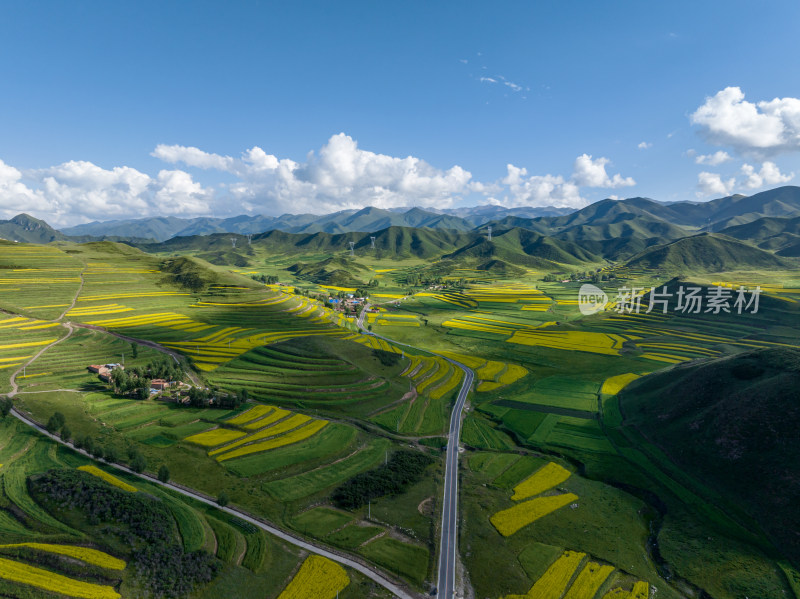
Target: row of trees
x=426 y=280
x=593 y=276
x=266 y=279
x=57 y=425
x=202 y=398
x=402 y=470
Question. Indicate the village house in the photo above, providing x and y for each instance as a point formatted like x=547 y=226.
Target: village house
x=105 y=370
x=160 y=384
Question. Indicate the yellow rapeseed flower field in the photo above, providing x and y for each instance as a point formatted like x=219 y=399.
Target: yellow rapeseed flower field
x=318 y=578
x=589 y=581
x=271 y=431
x=214 y=437
x=490 y=370
x=28 y=344
x=251 y=414
x=299 y=434
x=615 y=384
x=488 y=386
x=85 y=554
x=450 y=384
x=268 y=419
x=547 y=477
x=468 y=361
x=109 y=478
x=509 y=521
x=555 y=580
x=599 y=343
x=50 y=581
x=641 y=590
x=513 y=373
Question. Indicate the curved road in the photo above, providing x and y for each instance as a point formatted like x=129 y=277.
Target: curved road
x=289 y=538
x=363 y=568
x=449 y=539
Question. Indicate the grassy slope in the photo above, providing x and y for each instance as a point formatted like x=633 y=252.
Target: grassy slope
x=728 y=421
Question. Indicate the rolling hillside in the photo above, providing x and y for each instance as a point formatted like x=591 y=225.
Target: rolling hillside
x=524 y=248
x=707 y=252
x=768 y=233
x=732 y=422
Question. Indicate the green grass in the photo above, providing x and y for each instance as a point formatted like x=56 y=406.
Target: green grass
x=256 y=551
x=409 y=561
x=230 y=542
x=479 y=433
x=491 y=465
x=321 y=521
x=332 y=440
x=518 y=471
x=315 y=481
x=537 y=557
x=190 y=522
x=353 y=535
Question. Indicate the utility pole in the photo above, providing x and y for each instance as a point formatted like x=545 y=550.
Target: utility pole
x=123 y=358
x=372 y=239
x=489 y=228
x=233 y=242
x=249 y=239
x=352 y=245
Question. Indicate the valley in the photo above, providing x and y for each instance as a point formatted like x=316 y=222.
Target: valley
x=617 y=454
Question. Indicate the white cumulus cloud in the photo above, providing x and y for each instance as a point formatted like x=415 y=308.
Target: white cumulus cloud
x=590 y=172
x=645 y=145
x=79 y=191
x=540 y=190
x=769 y=174
x=340 y=176
x=714 y=159
x=192 y=156
x=712 y=184
x=766 y=127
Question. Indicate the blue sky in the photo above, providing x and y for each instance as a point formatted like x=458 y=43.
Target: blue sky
x=112 y=110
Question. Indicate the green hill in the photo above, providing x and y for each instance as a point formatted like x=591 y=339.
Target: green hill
x=401 y=242
x=706 y=252
x=337 y=271
x=24 y=228
x=732 y=423
x=524 y=248
x=769 y=233
x=196 y=274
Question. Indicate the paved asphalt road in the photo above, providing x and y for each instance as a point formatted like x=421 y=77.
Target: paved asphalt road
x=289 y=538
x=448 y=543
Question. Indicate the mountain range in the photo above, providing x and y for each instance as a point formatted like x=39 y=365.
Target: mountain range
x=367 y=220
x=736 y=232
x=639 y=218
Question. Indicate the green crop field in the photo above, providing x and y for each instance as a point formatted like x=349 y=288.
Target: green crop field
x=330 y=403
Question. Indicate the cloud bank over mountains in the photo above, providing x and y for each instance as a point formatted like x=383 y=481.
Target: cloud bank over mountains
x=339 y=176
x=753 y=131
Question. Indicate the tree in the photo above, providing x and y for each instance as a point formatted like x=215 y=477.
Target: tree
x=66 y=434
x=111 y=454
x=55 y=422
x=138 y=463
x=163 y=473
x=5 y=406
x=134 y=350
x=223 y=499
